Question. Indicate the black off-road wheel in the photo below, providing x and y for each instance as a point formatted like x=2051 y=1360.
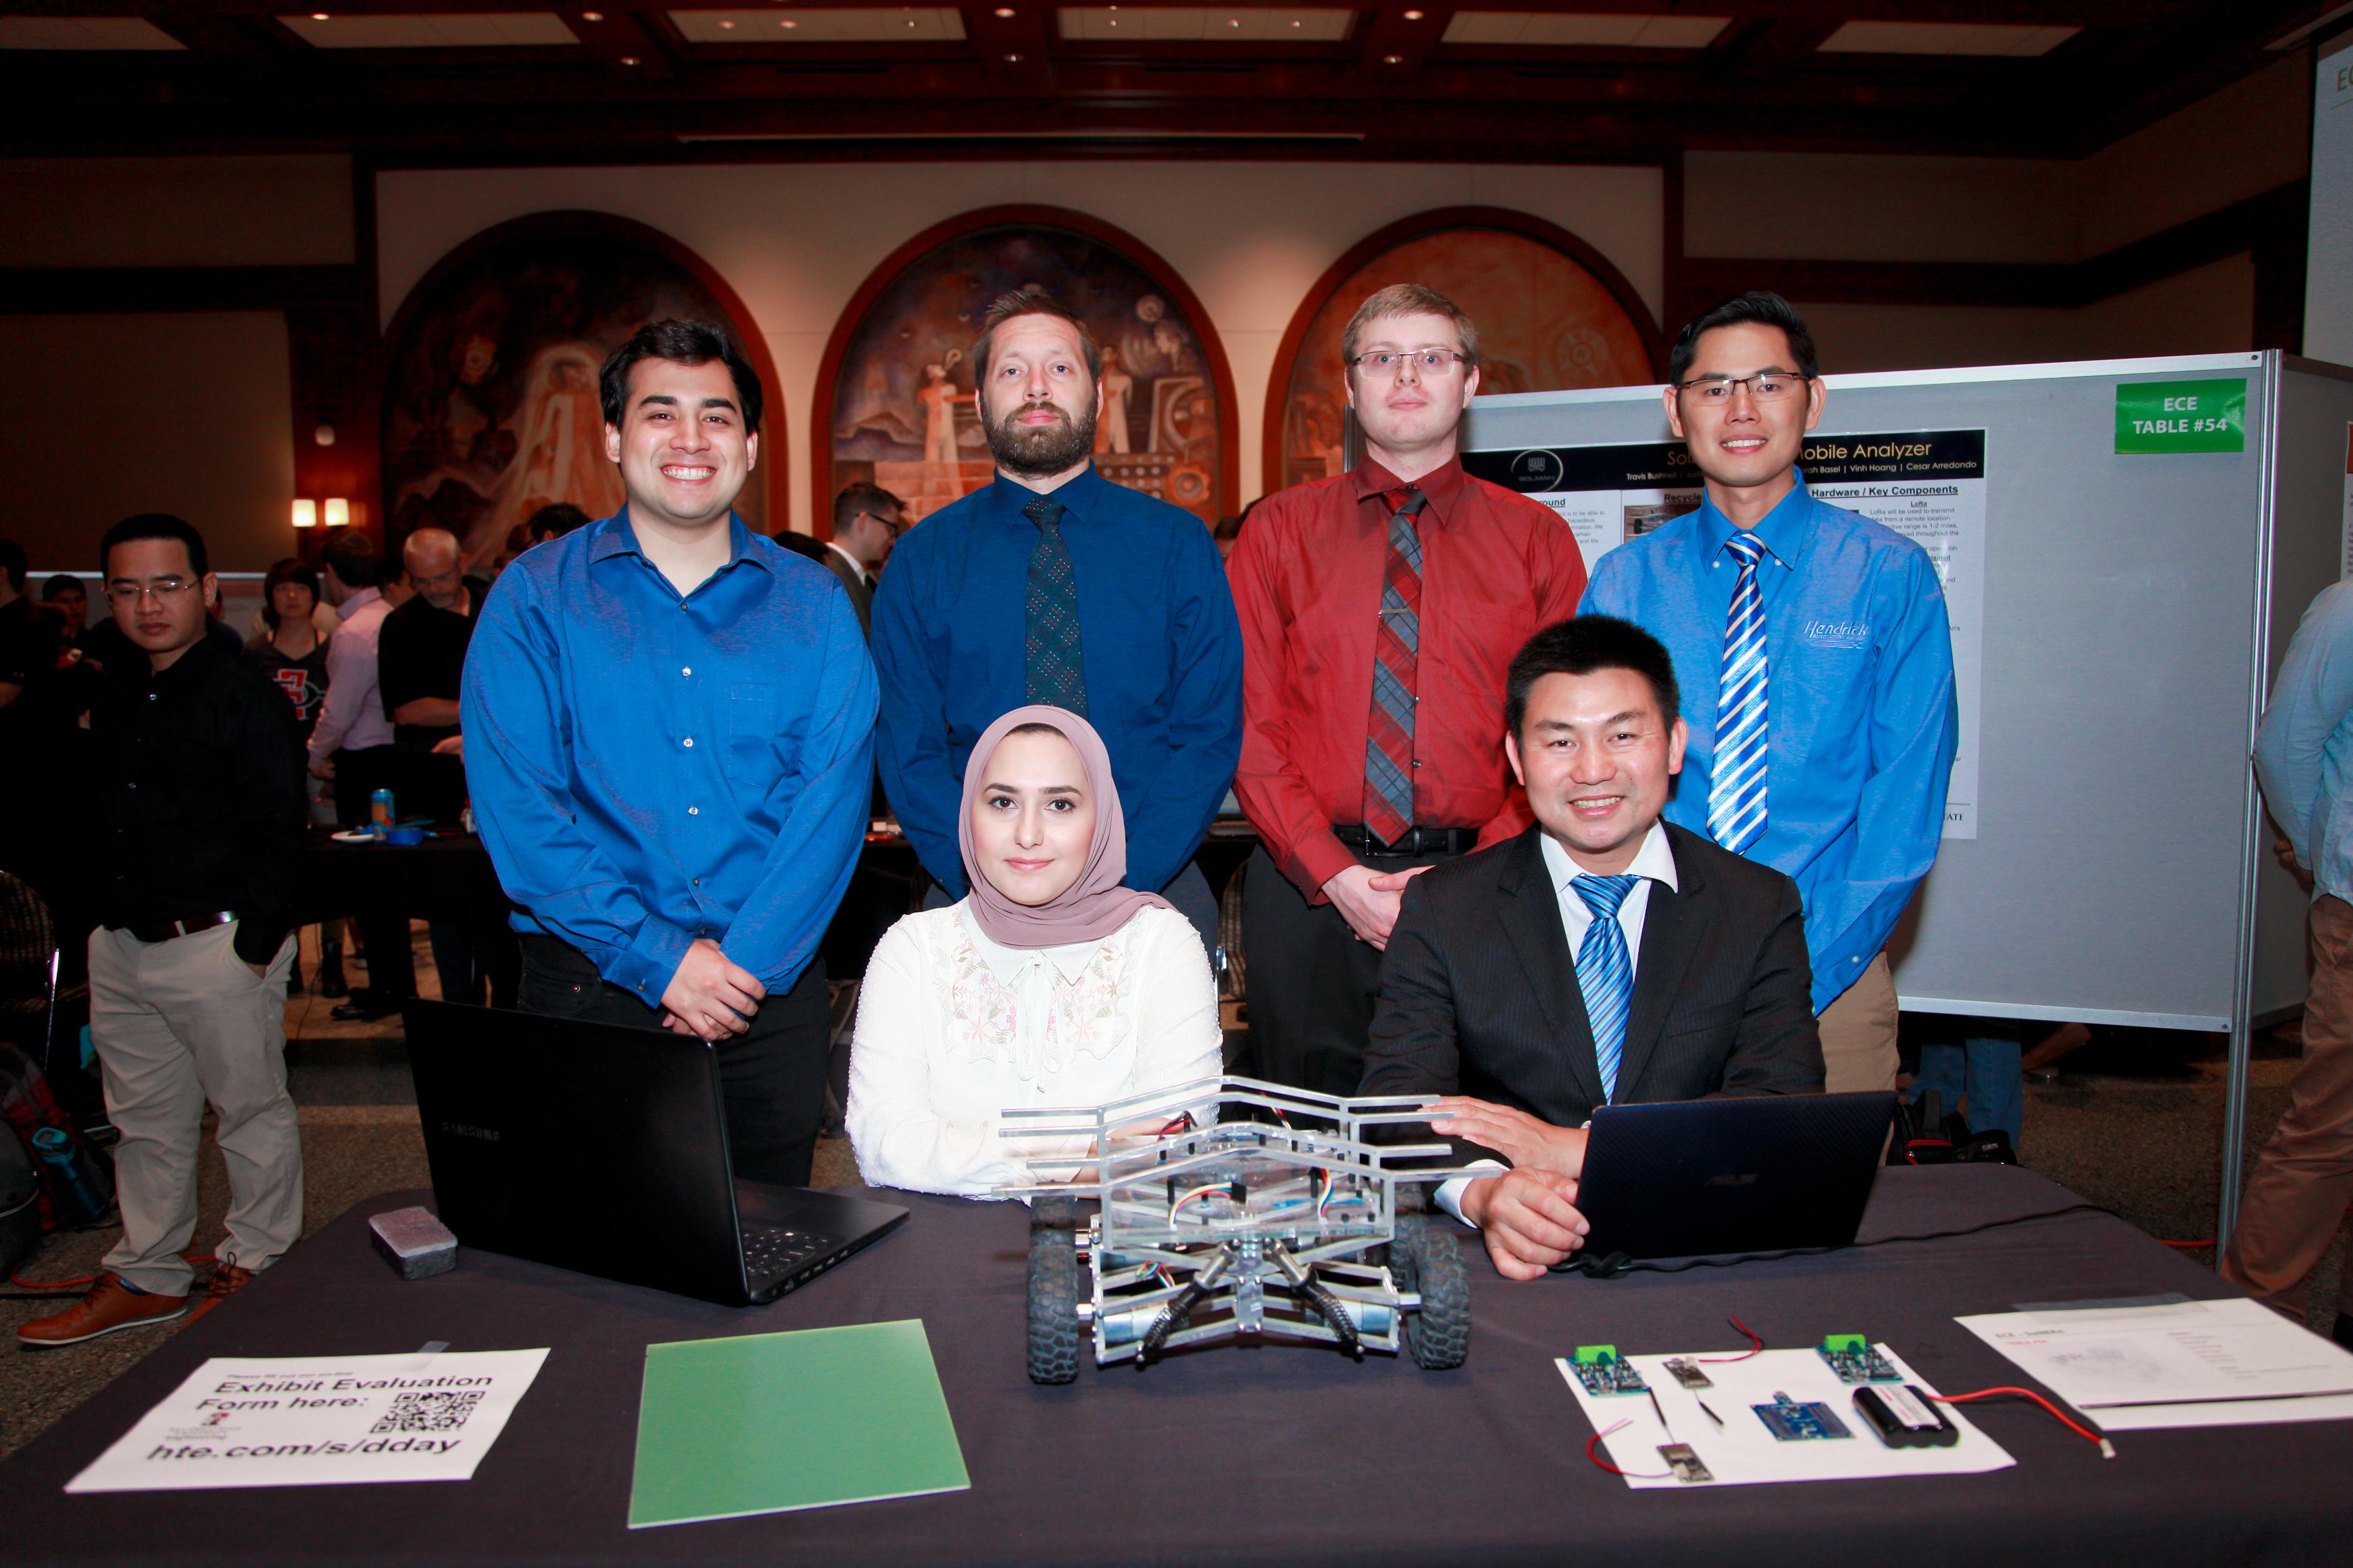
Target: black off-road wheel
x=1427 y=1260
x=1054 y=1337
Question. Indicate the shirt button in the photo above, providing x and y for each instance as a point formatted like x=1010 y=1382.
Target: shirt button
x=694 y=811
x=698 y=881
x=689 y=743
x=688 y=670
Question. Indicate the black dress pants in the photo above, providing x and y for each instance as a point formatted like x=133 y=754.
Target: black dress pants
x=392 y=967
x=1313 y=987
x=773 y=1076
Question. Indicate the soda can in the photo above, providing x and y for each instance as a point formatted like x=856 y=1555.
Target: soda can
x=380 y=816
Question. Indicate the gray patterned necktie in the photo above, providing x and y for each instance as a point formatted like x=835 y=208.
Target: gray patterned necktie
x=1056 y=672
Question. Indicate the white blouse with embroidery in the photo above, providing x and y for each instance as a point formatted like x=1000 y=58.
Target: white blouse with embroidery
x=953 y=1029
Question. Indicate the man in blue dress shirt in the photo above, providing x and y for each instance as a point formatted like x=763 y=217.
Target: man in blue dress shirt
x=1814 y=646
x=1053 y=584
x=671 y=724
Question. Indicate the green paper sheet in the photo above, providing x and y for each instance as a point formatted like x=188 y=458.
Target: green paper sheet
x=766 y=1423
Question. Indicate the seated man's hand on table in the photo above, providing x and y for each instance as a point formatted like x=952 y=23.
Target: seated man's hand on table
x=710 y=996
x=1526 y=1143
x=1528 y=1218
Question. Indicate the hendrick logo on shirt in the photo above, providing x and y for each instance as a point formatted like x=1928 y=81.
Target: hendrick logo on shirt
x=1836 y=634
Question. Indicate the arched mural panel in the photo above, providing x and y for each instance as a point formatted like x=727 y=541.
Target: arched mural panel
x=490 y=406
x=1551 y=312
x=897 y=379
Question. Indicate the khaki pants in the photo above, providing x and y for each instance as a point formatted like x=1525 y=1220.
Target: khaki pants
x=2304 y=1178
x=177 y=1023
x=1859 y=1033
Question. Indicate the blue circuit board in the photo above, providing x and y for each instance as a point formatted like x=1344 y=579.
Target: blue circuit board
x=1792 y=1422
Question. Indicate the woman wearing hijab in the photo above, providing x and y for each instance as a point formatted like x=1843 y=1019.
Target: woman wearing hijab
x=1050 y=985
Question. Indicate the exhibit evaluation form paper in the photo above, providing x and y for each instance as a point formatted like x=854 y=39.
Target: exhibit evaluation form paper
x=303 y=1421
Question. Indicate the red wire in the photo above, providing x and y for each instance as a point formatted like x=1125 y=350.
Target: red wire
x=2079 y=1430
x=1595 y=1441
x=1752 y=1334
x=17 y=1280
x=2193 y=1244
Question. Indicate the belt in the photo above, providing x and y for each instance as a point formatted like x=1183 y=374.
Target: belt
x=166 y=929
x=1415 y=841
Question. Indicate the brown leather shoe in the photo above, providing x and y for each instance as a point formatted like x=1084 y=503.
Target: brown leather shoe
x=228 y=1280
x=107 y=1308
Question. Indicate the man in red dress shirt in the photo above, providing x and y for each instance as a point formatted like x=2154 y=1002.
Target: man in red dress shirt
x=1379 y=611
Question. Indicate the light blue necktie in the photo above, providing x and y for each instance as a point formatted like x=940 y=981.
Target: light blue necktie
x=1603 y=971
x=1735 y=796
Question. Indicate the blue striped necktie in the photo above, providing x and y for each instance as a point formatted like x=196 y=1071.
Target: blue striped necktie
x=1605 y=973
x=1735 y=796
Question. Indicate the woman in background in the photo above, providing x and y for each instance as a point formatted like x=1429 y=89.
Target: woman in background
x=1050 y=985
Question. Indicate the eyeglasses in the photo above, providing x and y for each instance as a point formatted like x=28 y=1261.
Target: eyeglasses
x=1429 y=361
x=1764 y=386
x=161 y=589
x=892 y=527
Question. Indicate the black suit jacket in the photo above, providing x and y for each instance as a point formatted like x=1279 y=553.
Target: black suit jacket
x=861 y=597
x=1479 y=992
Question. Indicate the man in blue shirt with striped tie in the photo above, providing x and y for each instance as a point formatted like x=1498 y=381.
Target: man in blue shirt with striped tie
x=672 y=721
x=1053 y=584
x=1815 y=648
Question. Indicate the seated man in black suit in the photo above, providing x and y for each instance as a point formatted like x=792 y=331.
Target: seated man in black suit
x=1504 y=991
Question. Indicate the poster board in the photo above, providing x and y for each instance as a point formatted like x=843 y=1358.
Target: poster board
x=2125 y=634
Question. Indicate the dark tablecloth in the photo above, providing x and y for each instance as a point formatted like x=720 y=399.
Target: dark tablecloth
x=1278 y=1455
x=446 y=879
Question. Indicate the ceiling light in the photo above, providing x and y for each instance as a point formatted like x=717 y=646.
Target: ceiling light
x=788 y=22
x=628 y=60
x=1413 y=16
x=1013 y=59
x=592 y=15
x=1005 y=10
x=1297 y=22
x=320 y=16
x=1393 y=59
x=727 y=24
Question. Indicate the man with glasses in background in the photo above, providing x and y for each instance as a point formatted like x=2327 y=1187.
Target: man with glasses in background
x=867 y=521
x=202 y=770
x=1823 y=745
x=1380 y=610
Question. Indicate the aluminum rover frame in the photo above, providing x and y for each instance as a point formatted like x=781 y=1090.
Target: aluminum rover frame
x=1229 y=1209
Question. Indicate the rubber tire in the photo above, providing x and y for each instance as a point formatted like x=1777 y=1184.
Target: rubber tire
x=1428 y=1259
x=1054 y=1337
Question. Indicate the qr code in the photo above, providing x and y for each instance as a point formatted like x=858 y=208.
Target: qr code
x=442 y=1411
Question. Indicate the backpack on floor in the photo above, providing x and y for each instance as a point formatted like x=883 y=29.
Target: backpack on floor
x=32 y=1113
x=20 y=1202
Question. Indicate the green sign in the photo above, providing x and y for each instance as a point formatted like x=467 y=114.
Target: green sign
x=2182 y=415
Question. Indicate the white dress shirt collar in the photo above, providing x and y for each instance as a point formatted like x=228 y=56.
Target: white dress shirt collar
x=1655 y=859
x=855 y=563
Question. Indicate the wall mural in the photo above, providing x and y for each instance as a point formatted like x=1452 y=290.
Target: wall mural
x=903 y=414
x=490 y=406
x=1546 y=322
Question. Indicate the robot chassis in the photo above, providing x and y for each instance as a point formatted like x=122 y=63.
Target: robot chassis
x=1232 y=1208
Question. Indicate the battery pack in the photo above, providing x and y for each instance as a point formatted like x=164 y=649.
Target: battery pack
x=414 y=1242
x=1903 y=1418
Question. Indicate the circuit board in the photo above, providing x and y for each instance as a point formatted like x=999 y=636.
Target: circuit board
x=1689 y=1372
x=1856 y=1360
x=1603 y=1371
x=1792 y=1422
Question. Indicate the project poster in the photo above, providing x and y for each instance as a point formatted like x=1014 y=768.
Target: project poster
x=1927 y=485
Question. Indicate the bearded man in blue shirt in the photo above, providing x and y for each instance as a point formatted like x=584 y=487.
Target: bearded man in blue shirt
x=1814 y=646
x=671 y=723
x=1053 y=584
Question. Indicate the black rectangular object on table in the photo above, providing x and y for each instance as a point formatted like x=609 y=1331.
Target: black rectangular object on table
x=1767 y=1174
x=603 y=1149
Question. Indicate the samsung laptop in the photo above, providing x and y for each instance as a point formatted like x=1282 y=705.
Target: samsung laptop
x=603 y=1149
x=1771 y=1173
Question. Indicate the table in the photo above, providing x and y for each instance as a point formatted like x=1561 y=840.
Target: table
x=1278 y=1455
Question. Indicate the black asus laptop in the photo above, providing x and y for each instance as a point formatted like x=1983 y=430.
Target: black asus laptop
x=1690 y=1178
x=604 y=1149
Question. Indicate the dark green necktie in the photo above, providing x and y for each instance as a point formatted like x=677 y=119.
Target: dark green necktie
x=1057 y=675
